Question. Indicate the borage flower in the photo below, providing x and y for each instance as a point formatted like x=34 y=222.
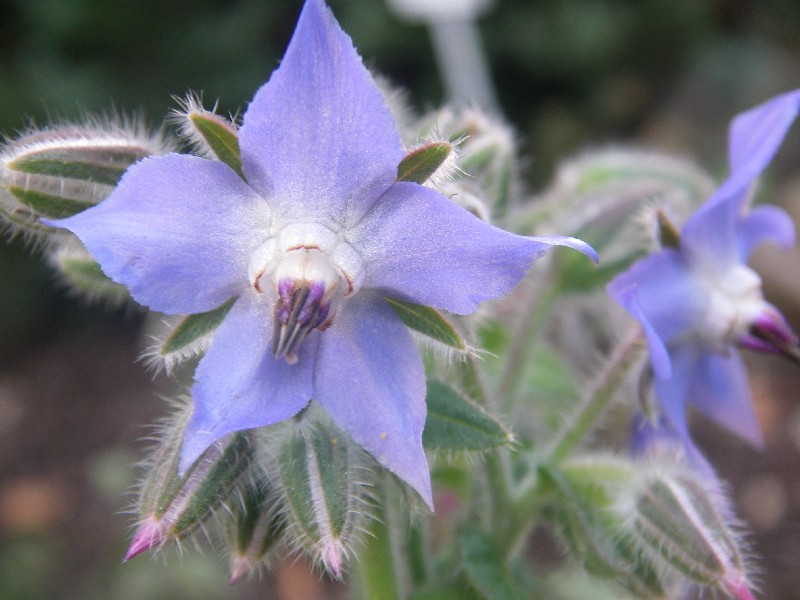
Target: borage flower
x=311 y=239
x=698 y=301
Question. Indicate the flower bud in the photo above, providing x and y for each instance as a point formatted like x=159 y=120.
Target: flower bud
x=256 y=529
x=60 y=171
x=678 y=522
x=323 y=495
x=581 y=512
x=487 y=151
x=80 y=271
x=173 y=507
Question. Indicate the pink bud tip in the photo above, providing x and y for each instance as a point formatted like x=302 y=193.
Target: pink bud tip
x=739 y=589
x=240 y=565
x=332 y=558
x=147 y=536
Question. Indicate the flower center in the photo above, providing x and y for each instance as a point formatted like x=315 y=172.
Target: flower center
x=735 y=304
x=308 y=292
x=312 y=270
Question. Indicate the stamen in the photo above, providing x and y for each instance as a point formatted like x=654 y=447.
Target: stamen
x=768 y=335
x=298 y=311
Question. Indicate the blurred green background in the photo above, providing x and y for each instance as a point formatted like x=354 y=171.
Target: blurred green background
x=571 y=75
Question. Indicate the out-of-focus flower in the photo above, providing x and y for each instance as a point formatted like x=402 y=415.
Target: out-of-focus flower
x=310 y=238
x=697 y=301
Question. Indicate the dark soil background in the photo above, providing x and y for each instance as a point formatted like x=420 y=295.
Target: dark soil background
x=76 y=401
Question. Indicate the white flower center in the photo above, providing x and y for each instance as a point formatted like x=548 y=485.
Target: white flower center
x=735 y=303
x=311 y=269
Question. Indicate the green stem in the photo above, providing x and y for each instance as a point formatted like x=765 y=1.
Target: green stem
x=602 y=391
x=537 y=303
x=377 y=564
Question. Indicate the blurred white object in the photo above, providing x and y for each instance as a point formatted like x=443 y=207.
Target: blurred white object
x=459 y=52
x=440 y=10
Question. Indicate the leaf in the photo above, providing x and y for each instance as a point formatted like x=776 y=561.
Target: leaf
x=428 y=321
x=421 y=163
x=193 y=327
x=455 y=423
x=220 y=137
x=485 y=568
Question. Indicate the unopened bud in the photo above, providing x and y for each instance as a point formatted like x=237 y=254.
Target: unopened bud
x=323 y=493
x=60 y=171
x=581 y=511
x=171 y=507
x=487 y=152
x=81 y=272
x=677 y=520
x=255 y=530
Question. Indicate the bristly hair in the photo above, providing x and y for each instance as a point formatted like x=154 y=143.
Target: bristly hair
x=181 y=118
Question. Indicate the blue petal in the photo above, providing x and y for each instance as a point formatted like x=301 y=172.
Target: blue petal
x=628 y=297
x=239 y=384
x=756 y=135
x=318 y=139
x=718 y=386
x=672 y=392
x=178 y=231
x=709 y=236
x=764 y=224
x=370 y=379
x=421 y=247
x=662 y=294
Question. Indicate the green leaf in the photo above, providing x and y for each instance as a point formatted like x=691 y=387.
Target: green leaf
x=193 y=327
x=427 y=321
x=455 y=423
x=221 y=138
x=421 y=163
x=230 y=461
x=485 y=568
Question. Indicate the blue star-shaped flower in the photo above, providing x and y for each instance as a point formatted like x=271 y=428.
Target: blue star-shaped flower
x=699 y=301
x=310 y=241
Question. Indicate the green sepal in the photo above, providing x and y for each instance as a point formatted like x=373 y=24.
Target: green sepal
x=428 y=321
x=668 y=234
x=455 y=423
x=98 y=164
x=193 y=327
x=256 y=528
x=210 y=482
x=47 y=205
x=420 y=164
x=485 y=568
x=220 y=136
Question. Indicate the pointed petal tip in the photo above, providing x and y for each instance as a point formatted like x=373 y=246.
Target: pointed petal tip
x=147 y=537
